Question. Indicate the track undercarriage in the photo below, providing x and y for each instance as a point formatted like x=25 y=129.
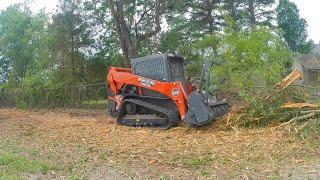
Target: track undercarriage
x=152 y=114
x=143 y=113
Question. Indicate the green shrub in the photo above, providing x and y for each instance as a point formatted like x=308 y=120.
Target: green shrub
x=40 y=90
x=250 y=59
x=247 y=64
x=265 y=108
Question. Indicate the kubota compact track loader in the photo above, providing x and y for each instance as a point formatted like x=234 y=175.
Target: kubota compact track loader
x=155 y=93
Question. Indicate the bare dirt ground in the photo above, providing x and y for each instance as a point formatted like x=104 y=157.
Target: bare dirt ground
x=88 y=144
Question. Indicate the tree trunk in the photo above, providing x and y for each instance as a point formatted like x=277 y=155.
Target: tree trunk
x=251 y=12
x=128 y=42
x=210 y=20
x=233 y=14
x=116 y=14
x=72 y=56
x=73 y=70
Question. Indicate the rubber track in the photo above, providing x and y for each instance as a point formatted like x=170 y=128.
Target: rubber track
x=171 y=115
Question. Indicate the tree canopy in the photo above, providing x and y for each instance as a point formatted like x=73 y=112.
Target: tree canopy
x=293 y=27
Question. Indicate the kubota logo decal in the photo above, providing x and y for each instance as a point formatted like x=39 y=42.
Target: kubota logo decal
x=146 y=82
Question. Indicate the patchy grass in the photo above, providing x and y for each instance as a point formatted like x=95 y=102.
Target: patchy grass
x=162 y=177
x=105 y=155
x=309 y=129
x=198 y=162
x=14 y=164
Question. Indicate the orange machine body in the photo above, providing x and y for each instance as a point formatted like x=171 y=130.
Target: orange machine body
x=119 y=77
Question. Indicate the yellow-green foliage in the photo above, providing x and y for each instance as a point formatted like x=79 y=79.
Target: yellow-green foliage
x=248 y=64
x=244 y=58
x=248 y=57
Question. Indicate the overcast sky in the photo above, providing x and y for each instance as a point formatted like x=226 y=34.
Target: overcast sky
x=309 y=9
x=36 y=4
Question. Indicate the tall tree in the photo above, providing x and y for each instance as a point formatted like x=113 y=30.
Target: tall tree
x=237 y=11
x=206 y=15
x=293 y=26
x=21 y=37
x=4 y=69
x=191 y=21
x=70 y=44
x=260 y=12
x=70 y=37
x=134 y=22
x=249 y=13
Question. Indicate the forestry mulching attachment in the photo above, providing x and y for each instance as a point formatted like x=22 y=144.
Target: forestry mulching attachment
x=155 y=93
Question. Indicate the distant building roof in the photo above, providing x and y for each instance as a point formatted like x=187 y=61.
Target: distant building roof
x=316 y=49
x=310 y=61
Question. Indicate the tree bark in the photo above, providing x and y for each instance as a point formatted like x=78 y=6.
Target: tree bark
x=72 y=55
x=210 y=20
x=252 y=13
x=115 y=14
x=129 y=42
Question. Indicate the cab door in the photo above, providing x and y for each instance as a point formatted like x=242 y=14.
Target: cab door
x=177 y=71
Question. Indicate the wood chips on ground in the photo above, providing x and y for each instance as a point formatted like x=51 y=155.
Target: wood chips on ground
x=84 y=141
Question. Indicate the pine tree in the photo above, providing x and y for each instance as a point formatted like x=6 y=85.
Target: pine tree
x=293 y=27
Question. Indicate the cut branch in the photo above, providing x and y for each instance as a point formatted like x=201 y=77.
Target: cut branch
x=310 y=111
x=307 y=116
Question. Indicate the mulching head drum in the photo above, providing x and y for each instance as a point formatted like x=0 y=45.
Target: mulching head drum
x=200 y=112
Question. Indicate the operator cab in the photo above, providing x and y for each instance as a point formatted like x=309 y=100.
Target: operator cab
x=160 y=67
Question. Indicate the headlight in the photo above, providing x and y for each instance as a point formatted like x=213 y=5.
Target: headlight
x=175 y=92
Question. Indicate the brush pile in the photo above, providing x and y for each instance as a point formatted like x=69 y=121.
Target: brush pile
x=280 y=106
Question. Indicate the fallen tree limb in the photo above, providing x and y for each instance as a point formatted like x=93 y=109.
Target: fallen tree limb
x=298 y=105
x=297 y=119
x=304 y=86
x=307 y=123
x=296 y=74
x=310 y=111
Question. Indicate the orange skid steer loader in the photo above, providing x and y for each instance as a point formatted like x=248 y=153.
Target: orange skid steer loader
x=155 y=93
